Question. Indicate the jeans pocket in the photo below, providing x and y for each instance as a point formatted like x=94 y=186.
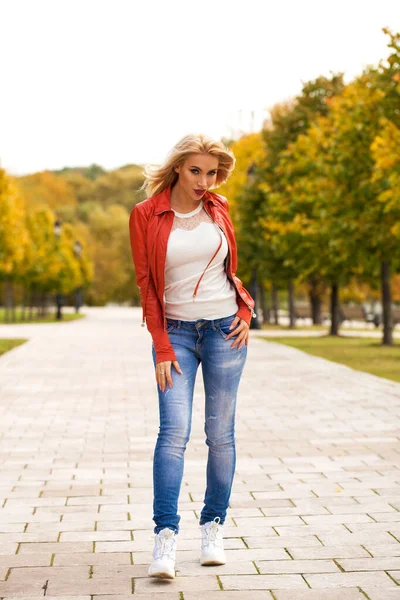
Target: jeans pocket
x=223 y=327
x=170 y=327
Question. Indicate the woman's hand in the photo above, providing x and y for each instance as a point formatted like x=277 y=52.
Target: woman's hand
x=163 y=373
x=242 y=332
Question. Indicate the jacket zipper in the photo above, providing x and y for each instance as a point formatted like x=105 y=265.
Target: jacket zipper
x=145 y=298
x=209 y=263
x=253 y=314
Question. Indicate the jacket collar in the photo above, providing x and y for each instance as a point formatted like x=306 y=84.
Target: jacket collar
x=163 y=200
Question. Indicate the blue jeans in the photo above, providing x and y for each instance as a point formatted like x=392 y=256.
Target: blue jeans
x=194 y=342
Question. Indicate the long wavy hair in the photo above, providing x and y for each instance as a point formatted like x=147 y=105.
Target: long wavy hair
x=158 y=178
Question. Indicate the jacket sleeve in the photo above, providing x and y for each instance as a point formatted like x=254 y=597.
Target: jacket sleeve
x=152 y=310
x=243 y=312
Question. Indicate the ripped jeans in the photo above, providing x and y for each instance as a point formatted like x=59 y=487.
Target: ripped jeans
x=194 y=342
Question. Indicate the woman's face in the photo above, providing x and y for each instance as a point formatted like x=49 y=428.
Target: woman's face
x=198 y=173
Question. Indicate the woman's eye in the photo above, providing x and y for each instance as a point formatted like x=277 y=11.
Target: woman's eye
x=196 y=171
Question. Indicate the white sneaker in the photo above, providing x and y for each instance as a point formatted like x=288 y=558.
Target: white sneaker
x=164 y=552
x=212 y=544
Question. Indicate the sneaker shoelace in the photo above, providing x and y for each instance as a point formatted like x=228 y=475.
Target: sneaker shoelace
x=211 y=532
x=164 y=546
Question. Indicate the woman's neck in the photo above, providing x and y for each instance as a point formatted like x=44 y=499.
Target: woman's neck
x=181 y=202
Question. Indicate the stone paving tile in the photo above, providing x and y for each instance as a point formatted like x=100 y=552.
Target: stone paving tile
x=8 y=549
x=95 y=536
x=382 y=550
x=329 y=552
x=27 y=587
x=369 y=564
x=52 y=597
x=140 y=595
x=376 y=593
x=362 y=579
x=328 y=594
x=250 y=595
x=385 y=517
x=269 y=567
x=316 y=490
x=59 y=547
x=193 y=567
x=114 y=585
x=394 y=574
x=92 y=558
x=282 y=542
x=26 y=560
x=182 y=584
x=262 y=582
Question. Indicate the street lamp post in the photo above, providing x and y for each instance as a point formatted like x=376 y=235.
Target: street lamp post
x=59 y=298
x=78 y=292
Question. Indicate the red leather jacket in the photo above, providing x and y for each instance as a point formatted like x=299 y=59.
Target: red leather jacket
x=150 y=224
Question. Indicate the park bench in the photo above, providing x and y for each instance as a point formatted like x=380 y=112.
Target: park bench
x=352 y=313
x=377 y=317
x=303 y=312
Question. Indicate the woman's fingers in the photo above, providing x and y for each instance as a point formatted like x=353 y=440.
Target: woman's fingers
x=235 y=330
x=168 y=375
x=242 y=335
x=163 y=373
x=245 y=340
x=177 y=367
x=235 y=321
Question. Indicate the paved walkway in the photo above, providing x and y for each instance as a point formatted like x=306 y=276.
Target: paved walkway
x=315 y=509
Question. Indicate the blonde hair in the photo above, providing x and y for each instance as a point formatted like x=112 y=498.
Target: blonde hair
x=159 y=178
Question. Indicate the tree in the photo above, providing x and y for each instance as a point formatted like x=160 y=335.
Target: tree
x=281 y=228
x=14 y=239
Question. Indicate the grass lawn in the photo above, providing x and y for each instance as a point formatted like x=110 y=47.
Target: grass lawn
x=6 y=345
x=50 y=318
x=271 y=326
x=363 y=354
x=268 y=327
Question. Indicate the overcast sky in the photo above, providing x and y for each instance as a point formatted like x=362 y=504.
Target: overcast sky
x=120 y=81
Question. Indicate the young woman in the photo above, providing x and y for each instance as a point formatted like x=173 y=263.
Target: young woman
x=197 y=311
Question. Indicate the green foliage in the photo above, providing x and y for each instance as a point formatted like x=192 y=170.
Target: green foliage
x=323 y=204
x=13 y=234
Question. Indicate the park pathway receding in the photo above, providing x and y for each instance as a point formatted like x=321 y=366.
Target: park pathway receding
x=315 y=507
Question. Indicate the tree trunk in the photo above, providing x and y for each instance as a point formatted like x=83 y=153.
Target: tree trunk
x=263 y=303
x=386 y=304
x=316 y=303
x=275 y=307
x=254 y=323
x=42 y=303
x=37 y=303
x=334 y=309
x=8 y=300
x=292 y=313
x=31 y=302
x=24 y=300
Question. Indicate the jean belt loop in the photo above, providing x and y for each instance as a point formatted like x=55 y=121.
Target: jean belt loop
x=213 y=324
x=178 y=323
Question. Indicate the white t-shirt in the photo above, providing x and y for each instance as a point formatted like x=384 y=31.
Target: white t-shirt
x=193 y=241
